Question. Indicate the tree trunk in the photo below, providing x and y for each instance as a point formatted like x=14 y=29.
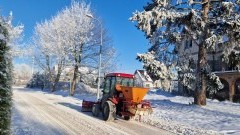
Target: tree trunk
x=51 y=80
x=200 y=90
x=53 y=87
x=73 y=83
x=56 y=80
x=78 y=59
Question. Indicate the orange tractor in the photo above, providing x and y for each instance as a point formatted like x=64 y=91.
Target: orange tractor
x=119 y=97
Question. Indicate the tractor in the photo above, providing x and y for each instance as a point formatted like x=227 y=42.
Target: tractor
x=119 y=98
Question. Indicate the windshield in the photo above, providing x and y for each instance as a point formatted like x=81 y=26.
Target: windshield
x=125 y=81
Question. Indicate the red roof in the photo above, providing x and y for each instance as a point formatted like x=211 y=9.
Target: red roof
x=121 y=75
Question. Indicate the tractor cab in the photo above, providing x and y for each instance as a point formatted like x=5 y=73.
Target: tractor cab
x=116 y=78
x=110 y=82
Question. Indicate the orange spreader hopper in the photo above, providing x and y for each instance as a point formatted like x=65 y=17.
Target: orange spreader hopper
x=134 y=94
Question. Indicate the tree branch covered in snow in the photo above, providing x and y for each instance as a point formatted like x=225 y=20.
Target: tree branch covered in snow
x=71 y=39
x=156 y=69
x=173 y=21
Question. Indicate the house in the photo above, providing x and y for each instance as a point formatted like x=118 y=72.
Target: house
x=142 y=79
x=229 y=74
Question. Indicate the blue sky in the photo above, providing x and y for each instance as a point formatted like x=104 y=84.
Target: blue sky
x=128 y=41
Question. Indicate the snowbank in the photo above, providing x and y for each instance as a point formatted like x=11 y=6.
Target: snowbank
x=178 y=114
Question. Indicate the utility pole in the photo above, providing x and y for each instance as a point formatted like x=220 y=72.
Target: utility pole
x=100 y=55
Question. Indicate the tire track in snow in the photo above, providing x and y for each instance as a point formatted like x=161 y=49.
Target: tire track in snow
x=74 y=122
x=31 y=116
x=120 y=126
x=94 y=124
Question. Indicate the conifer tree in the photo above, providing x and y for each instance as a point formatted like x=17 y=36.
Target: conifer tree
x=5 y=81
x=9 y=36
x=207 y=23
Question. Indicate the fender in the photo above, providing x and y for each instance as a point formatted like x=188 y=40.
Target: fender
x=113 y=100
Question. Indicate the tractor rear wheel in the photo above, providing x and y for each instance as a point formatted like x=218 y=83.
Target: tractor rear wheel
x=96 y=110
x=109 y=111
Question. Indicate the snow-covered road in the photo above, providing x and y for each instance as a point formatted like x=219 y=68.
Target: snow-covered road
x=38 y=113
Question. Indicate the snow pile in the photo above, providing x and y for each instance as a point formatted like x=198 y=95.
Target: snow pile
x=177 y=114
x=86 y=88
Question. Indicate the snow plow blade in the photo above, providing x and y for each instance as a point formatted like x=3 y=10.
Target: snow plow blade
x=87 y=106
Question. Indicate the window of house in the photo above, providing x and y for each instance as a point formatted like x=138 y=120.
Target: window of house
x=188 y=44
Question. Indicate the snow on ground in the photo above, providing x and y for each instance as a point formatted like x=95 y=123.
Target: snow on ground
x=177 y=114
x=39 y=113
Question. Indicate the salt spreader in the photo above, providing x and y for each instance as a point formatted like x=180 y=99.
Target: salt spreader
x=120 y=97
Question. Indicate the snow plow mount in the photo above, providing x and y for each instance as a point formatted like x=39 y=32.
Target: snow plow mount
x=87 y=105
x=142 y=108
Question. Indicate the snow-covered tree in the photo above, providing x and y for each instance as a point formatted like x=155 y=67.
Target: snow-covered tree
x=83 y=36
x=8 y=33
x=37 y=80
x=157 y=69
x=71 y=38
x=50 y=50
x=22 y=74
x=5 y=89
x=207 y=23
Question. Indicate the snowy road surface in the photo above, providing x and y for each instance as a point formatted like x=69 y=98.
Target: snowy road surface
x=40 y=114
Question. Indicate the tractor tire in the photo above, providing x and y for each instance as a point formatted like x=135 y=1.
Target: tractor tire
x=126 y=117
x=96 y=110
x=109 y=111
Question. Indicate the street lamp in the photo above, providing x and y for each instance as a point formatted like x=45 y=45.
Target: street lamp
x=100 y=53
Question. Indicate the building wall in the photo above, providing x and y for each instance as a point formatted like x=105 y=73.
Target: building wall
x=147 y=84
x=224 y=71
x=139 y=82
x=213 y=57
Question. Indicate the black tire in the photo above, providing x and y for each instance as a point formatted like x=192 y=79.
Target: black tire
x=96 y=110
x=109 y=111
x=126 y=117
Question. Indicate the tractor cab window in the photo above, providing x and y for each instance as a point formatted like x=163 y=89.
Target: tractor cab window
x=107 y=84
x=113 y=83
x=125 y=81
x=110 y=83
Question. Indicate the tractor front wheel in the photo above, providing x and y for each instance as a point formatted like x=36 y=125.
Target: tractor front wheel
x=109 y=111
